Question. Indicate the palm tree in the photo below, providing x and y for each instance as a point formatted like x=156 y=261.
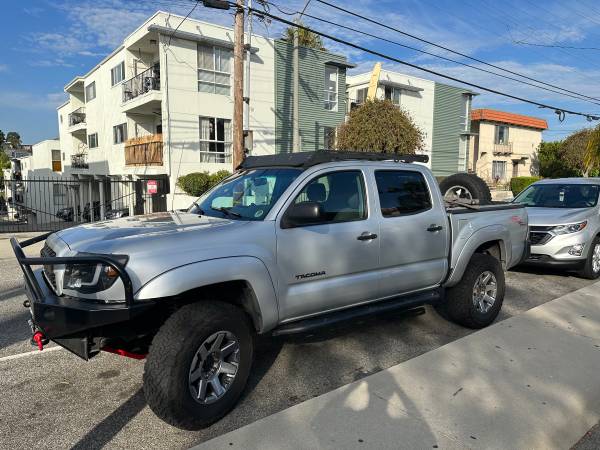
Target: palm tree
x=305 y=38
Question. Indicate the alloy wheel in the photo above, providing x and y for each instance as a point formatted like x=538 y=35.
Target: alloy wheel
x=484 y=292
x=214 y=367
x=596 y=258
x=458 y=193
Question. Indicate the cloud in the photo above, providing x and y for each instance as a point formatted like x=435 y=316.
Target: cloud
x=3 y=67
x=31 y=101
x=58 y=62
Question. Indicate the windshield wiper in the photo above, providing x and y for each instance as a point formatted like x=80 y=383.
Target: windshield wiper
x=226 y=211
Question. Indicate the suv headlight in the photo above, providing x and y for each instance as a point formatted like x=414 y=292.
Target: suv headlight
x=91 y=278
x=568 y=229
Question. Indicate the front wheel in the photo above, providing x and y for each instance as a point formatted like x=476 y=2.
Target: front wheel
x=476 y=300
x=591 y=270
x=198 y=364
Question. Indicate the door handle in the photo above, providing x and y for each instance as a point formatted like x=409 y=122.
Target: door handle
x=433 y=228
x=366 y=236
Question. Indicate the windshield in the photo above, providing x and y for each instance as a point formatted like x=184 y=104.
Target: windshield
x=559 y=195
x=247 y=195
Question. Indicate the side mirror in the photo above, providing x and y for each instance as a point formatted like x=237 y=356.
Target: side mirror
x=299 y=214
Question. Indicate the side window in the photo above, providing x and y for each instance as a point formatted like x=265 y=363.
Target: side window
x=341 y=196
x=402 y=192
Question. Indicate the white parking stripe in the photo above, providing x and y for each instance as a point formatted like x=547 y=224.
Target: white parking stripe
x=35 y=352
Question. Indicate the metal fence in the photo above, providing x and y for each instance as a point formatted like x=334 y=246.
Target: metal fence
x=49 y=204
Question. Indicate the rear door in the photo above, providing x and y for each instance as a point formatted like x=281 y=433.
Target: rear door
x=331 y=264
x=414 y=231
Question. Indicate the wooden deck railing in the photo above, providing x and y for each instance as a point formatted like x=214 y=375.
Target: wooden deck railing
x=144 y=151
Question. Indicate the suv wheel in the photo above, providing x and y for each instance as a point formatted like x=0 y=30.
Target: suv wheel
x=198 y=364
x=476 y=300
x=591 y=270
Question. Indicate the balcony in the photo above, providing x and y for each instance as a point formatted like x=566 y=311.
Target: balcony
x=79 y=161
x=144 y=151
x=503 y=149
x=77 y=120
x=141 y=94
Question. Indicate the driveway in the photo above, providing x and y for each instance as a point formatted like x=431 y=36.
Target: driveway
x=53 y=399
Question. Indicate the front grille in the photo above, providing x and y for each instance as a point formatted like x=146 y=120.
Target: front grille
x=45 y=252
x=539 y=235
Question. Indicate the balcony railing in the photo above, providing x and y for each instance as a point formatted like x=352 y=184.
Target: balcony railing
x=148 y=80
x=144 y=151
x=79 y=161
x=503 y=148
x=77 y=117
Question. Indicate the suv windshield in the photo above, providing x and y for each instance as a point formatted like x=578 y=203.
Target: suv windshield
x=559 y=195
x=247 y=195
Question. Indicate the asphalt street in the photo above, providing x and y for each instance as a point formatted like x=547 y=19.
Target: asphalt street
x=55 y=400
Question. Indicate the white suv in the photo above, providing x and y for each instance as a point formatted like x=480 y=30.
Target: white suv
x=564 y=224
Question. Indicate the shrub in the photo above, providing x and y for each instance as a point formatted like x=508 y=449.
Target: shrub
x=197 y=183
x=517 y=184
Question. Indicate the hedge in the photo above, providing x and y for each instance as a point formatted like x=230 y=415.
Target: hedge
x=517 y=184
x=197 y=183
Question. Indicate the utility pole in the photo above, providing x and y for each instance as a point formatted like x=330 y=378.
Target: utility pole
x=247 y=75
x=238 y=85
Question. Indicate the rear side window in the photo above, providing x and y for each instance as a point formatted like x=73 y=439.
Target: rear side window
x=402 y=192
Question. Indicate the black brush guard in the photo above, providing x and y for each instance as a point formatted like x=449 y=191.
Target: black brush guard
x=73 y=323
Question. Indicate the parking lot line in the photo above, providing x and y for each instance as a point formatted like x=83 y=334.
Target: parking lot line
x=34 y=352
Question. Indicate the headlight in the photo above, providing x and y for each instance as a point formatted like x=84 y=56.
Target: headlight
x=90 y=278
x=567 y=229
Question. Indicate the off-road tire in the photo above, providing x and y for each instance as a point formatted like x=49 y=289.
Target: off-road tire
x=458 y=305
x=476 y=186
x=588 y=270
x=166 y=373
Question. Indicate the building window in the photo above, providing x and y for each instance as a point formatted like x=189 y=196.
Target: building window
x=215 y=140
x=214 y=69
x=120 y=133
x=361 y=95
x=498 y=170
x=56 y=161
x=331 y=88
x=93 y=140
x=393 y=95
x=502 y=134
x=117 y=74
x=328 y=138
x=59 y=192
x=90 y=91
x=402 y=192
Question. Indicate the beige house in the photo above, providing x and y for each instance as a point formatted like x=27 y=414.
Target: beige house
x=504 y=145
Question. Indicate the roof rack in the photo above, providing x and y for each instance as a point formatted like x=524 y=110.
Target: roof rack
x=309 y=159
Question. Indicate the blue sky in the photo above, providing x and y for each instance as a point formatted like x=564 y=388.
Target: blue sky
x=47 y=43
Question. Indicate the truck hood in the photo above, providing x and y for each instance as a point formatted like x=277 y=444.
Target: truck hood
x=111 y=236
x=557 y=216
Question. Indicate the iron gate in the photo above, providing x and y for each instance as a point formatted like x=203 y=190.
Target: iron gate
x=50 y=204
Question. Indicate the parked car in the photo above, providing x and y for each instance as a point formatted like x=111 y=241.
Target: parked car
x=66 y=214
x=116 y=213
x=287 y=244
x=564 y=224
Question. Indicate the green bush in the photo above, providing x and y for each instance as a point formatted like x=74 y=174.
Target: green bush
x=197 y=183
x=517 y=184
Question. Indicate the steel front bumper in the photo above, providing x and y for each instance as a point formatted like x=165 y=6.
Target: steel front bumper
x=75 y=324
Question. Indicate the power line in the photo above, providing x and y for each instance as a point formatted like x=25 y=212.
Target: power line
x=184 y=19
x=559 y=111
x=375 y=22
x=329 y=22
x=555 y=46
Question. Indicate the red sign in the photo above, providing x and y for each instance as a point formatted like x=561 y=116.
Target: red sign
x=152 y=187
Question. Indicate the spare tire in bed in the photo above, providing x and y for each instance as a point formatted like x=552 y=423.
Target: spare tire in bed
x=466 y=186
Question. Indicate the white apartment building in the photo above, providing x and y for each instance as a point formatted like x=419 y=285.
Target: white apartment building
x=161 y=106
x=441 y=111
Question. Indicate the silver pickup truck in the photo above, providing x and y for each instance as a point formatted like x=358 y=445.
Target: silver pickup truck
x=287 y=244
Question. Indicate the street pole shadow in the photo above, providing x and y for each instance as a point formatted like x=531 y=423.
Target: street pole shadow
x=105 y=431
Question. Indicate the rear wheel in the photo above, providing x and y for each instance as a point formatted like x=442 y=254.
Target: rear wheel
x=477 y=299
x=198 y=364
x=466 y=187
x=591 y=270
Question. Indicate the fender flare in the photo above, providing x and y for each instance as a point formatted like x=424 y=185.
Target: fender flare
x=263 y=309
x=492 y=233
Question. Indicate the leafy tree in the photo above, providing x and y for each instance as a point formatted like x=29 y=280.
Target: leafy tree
x=13 y=138
x=2 y=138
x=551 y=162
x=305 y=38
x=197 y=183
x=575 y=150
x=4 y=161
x=592 y=150
x=380 y=126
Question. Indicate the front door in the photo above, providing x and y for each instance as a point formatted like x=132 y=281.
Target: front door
x=414 y=232
x=332 y=263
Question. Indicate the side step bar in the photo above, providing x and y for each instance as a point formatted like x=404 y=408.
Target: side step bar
x=404 y=302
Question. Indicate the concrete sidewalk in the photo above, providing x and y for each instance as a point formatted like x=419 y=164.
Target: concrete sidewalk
x=531 y=381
